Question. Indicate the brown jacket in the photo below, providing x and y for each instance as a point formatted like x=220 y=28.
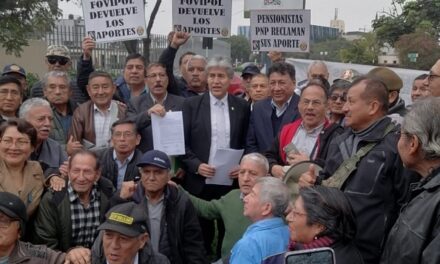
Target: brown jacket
x=35 y=254
x=33 y=184
x=83 y=124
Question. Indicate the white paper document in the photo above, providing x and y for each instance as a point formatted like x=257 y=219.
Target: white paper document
x=168 y=133
x=224 y=161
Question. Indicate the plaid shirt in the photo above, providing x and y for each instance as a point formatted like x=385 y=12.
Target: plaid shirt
x=85 y=221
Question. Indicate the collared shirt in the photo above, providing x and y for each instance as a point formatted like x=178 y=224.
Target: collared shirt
x=103 y=121
x=155 y=213
x=217 y=128
x=122 y=168
x=305 y=140
x=280 y=109
x=155 y=101
x=135 y=261
x=85 y=220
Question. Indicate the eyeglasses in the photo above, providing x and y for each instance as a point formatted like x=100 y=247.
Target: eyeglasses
x=54 y=59
x=315 y=103
x=335 y=97
x=432 y=76
x=125 y=134
x=7 y=142
x=297 y=213
x=6 y=223
x=14 y=93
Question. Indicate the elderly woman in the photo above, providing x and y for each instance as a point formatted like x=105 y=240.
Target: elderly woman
x=337 y=99
x=322 y=217
x=415 y=237
x=18 y=175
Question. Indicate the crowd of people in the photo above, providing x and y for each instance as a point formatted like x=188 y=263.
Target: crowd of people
x=80 y=180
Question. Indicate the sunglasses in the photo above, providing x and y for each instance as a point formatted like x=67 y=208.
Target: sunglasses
x=54 y=59
x=334 y=97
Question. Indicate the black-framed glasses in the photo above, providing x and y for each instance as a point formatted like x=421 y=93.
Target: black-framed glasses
x=54 y=59
x=6 y=223
x=335 y=97
x=432 y=76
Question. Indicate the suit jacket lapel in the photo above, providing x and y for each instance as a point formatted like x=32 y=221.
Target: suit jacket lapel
x=205 y=112
x=233 y=117
x=267 y=117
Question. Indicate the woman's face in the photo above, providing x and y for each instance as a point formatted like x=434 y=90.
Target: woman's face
x=337 y=101
x=300 y=232
x=15 y=147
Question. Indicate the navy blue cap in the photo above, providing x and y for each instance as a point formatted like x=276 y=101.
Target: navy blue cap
x=250 y=69
x=155 y=158
x=14 y=68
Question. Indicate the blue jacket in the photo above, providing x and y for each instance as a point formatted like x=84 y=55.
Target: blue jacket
x=262 y=239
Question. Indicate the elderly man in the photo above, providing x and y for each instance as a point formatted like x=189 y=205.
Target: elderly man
x=70 y=218
x=258 y=88
x=56 y=89
x=268 y=235
x=92 y=120
x=316 y=69
x=221 y=121
x=58 y=59
x=229 y=207
x=415 y=237
x=157 y=101
x=271 y=114
x=364 y=163
x=247 y=74
x=124 y=238
x=172 y=221
x=309 y=136
x=18 y=72
x=433 y=79
x=13 y=219
x=10 y=97
x=48 y=152
x=419 y=89
x=119 y=162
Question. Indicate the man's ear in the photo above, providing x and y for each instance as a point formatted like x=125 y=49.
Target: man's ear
x=143 y=239
x=266 y=209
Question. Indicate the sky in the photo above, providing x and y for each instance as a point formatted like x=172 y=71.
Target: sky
x=357 y=14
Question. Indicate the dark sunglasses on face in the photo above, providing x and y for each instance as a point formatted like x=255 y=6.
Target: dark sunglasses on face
x=61 y=60
x=334 y=97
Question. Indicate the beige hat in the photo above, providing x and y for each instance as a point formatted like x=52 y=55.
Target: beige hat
x=58 y=50
x=388 y=77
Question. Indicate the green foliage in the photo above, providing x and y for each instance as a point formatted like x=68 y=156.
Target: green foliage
x=332 y=47
x=31 y=79
x=362 y=51
x=422 y=43
x=240 y=48
x=20 y=18
x=414 y=15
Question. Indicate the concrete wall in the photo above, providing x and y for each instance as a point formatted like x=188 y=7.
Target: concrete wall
x=31 y=59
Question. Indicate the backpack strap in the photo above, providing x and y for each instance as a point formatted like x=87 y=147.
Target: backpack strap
x=344 y=171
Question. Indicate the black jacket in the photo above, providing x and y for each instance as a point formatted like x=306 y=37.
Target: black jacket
x=146 y=254
x=376 y=190
x=185 y=240
x=109 y=168
x=415 y=237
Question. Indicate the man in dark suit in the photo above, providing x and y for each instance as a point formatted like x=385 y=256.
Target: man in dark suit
x=157 y=101
x=271 y=114
x=212 y=121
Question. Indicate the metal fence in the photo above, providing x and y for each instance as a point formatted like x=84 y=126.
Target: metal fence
x=109 y=57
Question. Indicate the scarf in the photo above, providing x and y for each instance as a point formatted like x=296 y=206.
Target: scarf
x=320 y=242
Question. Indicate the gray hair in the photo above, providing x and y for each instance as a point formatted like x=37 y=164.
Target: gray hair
x=56 y=74
x=221 y=62
x=275 y=192
x=196 y=57
x=259 y=159
x=29 y=104
x=316 y=63
x=423 y=121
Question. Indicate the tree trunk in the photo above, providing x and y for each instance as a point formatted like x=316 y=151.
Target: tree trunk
x=147 y=41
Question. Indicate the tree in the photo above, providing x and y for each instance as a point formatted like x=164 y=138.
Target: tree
x=18 y=19
x=240 y=48
x=362 y=51
x=333 y=48
x=422 y=43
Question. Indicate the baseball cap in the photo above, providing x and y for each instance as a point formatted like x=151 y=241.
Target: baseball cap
x=391 y=80
x=14 y=68
x=12 y=206
x=156 y=158
x=348 y=75
x=250 y=69
x=129 y=219
x=58 y=50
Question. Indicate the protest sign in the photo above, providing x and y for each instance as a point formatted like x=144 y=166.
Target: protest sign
x=114 y=20
x=204 y=18
x=272 y=4
x=280 y=30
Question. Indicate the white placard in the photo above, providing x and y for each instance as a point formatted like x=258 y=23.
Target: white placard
x=280 y=30
x=224 y=161
x=114 y=20
x=203 y=18
x=168 y=133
